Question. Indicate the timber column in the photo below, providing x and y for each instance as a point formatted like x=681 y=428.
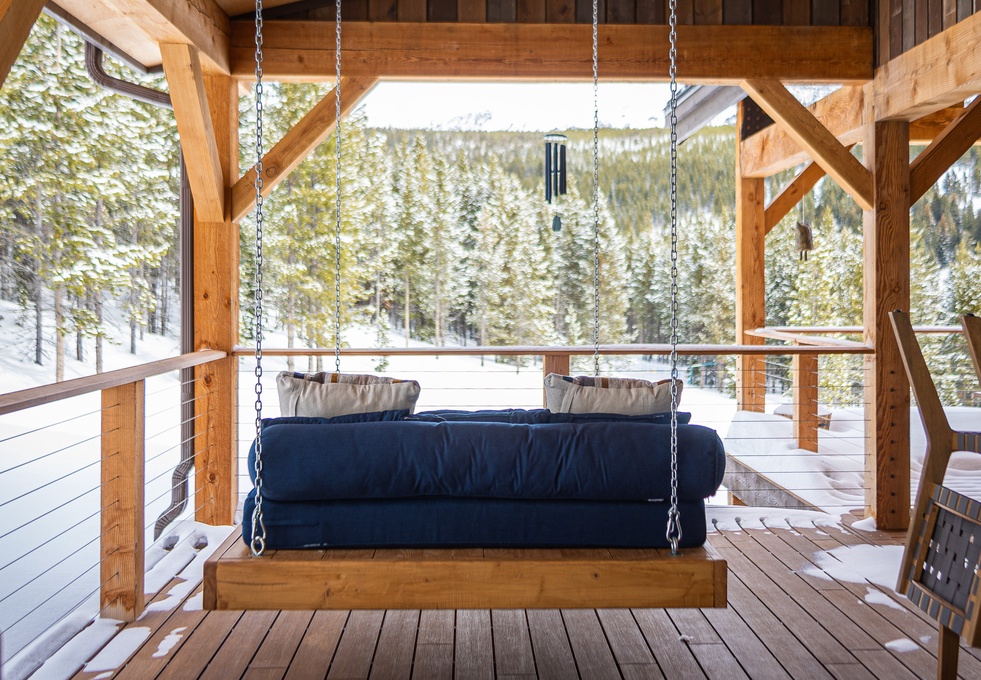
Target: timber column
x=750 y=280
x=206 y=109
x=886 y=287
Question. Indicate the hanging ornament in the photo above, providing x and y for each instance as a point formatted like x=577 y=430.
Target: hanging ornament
x=556 y=223
x=803 y=237
x=554 y=165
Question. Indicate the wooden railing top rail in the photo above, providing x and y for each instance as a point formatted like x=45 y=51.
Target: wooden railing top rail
x=843 y=347
x=803 y=339
x=46 y=394
x=853 y=329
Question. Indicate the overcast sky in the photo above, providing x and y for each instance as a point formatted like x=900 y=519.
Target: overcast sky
x=515 y=106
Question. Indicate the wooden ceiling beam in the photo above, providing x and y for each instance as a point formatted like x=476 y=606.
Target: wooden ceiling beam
x=16 y=21
x=773 y=150
x=820 y=143
x=297 y=144
x=950 y=145
x=201 y=23
x=792 y=194
x=304 y=50
x=940 y=72
x=189 y=97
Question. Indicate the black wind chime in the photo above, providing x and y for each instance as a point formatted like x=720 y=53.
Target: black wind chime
x=555 y=173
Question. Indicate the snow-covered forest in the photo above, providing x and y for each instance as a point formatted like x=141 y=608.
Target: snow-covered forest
x=446 y=236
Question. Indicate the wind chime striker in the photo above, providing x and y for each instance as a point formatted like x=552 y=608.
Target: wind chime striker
x=555 y=172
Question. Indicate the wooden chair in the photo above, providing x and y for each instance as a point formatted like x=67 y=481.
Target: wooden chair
x=941 y=568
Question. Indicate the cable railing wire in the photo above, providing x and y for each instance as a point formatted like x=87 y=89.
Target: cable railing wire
x=49 y=426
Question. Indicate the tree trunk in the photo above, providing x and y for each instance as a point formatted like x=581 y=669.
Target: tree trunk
x=98 y=336
x=406 y=307
x=38 y=322
x=59 y=322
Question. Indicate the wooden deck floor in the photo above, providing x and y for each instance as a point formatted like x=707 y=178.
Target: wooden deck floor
x=781 y=623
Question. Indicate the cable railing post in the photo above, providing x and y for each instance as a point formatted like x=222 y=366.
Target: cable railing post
x=554 y=363
x=122 y=542
x=804 y=390
x=216 y=466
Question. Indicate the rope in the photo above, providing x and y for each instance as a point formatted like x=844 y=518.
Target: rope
x=258 y=542
x=673 y=532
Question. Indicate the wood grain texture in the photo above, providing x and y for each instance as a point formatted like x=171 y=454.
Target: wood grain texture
x=441 y=579
x=944 y=151
x=796 y=12
x=750 y=281
x=16 y=22
x=530 y=11
x=792 y=195
x=804 y=388
x=501 y=11
x=297 y=144
x=471 y=11
x=773 y=150
x=886 y=277
x=707 y=12
x=197 y=135
x=201 y=23
x=854 y=13
x=383 y=10
x=737 y=12
x=650 y=12
x=820 y=143
x=442 y=10
x=560 y=11
x=943 y=71
x=412 y=10
x=215 y=442
x=121 y=568
x=707 y=54
x=766 y=12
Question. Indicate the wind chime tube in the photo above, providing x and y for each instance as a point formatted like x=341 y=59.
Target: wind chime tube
x=561 y=190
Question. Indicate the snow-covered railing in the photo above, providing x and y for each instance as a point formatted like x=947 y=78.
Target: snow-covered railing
x=83 y=464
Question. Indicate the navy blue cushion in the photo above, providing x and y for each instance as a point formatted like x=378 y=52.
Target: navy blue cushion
x=373 y=417
x=619 y=460
x=542 y=415
x=467 y=522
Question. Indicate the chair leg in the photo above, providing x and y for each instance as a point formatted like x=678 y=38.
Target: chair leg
x=949 y=648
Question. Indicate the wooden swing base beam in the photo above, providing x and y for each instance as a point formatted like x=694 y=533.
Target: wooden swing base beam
x=462 y=578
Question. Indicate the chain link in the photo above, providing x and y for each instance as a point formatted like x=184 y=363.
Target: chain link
x=674 y=516
x=258 y=542
x=596 y=234
x=337 y=192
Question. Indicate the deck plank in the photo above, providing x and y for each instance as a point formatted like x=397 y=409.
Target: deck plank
x=474 y=659
x=356 y=649
x=785 y=620
x=554 y=659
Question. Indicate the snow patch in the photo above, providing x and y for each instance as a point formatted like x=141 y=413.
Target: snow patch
x=684 y=638
x=925 y=639
x=859 y=564
x=737 y=518
x=199 y=544
x=876 y=596
x=867 y=524
x=902 y=645
x=169 y=642
x=64 y=662
x=119 y=649
x=195 y=603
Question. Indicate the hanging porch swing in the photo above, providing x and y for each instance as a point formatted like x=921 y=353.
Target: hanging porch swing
x=253 y=574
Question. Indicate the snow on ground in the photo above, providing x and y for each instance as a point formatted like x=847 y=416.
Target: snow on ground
x=877 y=564
x=737 y=518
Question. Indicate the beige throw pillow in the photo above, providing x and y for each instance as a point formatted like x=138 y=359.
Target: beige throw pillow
x=625 y=396
x=327 y=395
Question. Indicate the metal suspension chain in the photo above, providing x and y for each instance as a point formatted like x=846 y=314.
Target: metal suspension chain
x=674 y=516
x=337 y=193
x=596 y=235
x=258 y=542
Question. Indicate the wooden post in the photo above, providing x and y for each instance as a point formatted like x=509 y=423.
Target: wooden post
x=805 y=392
x=216 y=272
x=122 y=550
x=16 y=21
x=948 y=649
x=554 y=363
x=886 y=287
x=750 y=280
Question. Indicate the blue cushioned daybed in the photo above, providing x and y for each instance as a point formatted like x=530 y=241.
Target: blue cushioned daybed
x=492 y=479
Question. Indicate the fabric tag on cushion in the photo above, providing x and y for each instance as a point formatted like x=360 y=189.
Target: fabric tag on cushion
x=309 y=397
x=626 y=396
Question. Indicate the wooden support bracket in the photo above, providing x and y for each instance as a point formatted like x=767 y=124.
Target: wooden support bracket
x=801 y=125
x=951 y=144
x=16 y=21
x=190 y=100
x=297 y=144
